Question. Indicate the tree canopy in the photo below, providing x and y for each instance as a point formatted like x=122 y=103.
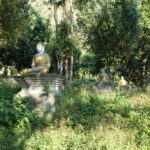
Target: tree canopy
x=117 y=32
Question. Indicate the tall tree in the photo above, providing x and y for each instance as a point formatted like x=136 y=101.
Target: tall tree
x=13 y=20
x=120 y=38
x=144 y=42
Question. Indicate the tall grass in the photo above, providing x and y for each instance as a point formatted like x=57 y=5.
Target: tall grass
x=86 y=120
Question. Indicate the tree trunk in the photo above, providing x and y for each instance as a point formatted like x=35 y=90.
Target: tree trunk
x=144 y=60
x=72 y=32
x=144 y=73
x=66 y=69
x=61 y=66
x=56 y=28
x=71 y=69
x=64 y=11
x=56 y=18
x=58 y=65
x=71 y=16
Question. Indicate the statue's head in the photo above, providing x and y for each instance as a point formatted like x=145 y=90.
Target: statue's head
x=122 y=77
x=102 y=70
x=40 y=48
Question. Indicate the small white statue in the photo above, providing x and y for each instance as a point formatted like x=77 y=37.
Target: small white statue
x=122 y=82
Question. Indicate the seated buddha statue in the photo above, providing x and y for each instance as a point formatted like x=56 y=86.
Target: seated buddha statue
x=122 y=82
x=40 y=61
x=13 y=70
x=103 y=77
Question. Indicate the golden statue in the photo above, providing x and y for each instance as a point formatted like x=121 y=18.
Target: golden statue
x=40 y=61
x=103 y=77
x=122 y=82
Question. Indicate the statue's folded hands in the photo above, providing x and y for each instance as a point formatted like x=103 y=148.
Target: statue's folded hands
x=37 y=68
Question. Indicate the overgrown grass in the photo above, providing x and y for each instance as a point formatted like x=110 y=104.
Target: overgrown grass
x=86 y=120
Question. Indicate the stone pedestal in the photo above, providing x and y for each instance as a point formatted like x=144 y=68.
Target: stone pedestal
x=41 y=90
x=105 y=87
x=122 y=89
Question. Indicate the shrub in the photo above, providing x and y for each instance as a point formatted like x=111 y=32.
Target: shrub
x=13 y=109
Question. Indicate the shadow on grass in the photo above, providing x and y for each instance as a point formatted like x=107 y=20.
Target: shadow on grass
x=17 y=121
x=80 y=112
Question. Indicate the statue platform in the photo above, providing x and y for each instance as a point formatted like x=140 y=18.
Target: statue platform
x=39 y=80
x=41 y=90
x=105 y=87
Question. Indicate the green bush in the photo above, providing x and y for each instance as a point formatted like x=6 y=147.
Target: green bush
x=83 y=120
x=13 y=109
